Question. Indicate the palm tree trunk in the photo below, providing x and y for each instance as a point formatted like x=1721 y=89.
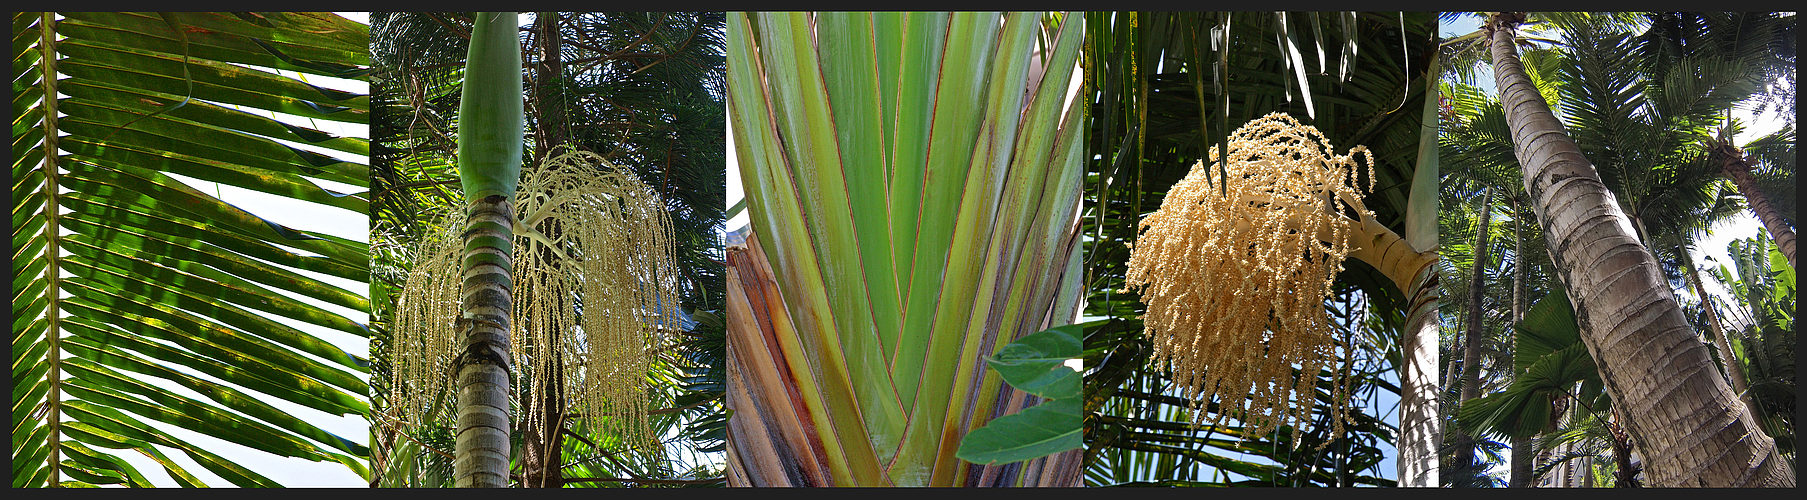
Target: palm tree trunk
x=489 y=165
x=549 y=102
x=1420 y=429
x=1727 y=359
x=1471 y=348
x=1449 y=371
x=542 y=444
x=1524 y=456
x=1626 y=474
x=481 y=451
x=1738 y=170
x=1693 y=429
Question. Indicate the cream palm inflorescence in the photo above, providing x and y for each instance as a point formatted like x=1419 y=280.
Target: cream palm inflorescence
x=1234 y=269
x=595 y=293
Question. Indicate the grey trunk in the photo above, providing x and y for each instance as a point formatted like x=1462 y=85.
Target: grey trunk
x=1477 y=327
x=1524 y=452
x=1692 y=428
x=1727 y=359
x=482 y=367
x=1738 y=170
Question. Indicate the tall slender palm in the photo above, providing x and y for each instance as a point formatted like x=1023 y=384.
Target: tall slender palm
x=142 y=305
x=1524 y=456
x=1693 y=429
x=1727 y=359
x=643 y=90
x=489 y=166
x=1478 y=248
x=1470 y=382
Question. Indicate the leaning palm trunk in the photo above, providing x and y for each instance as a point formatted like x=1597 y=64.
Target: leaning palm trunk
x=913 y=204
x=1524 y=454
x=489 y=156
x=1471 y=347
x=1726 y=358
x=1688 y=423
x=1737 y=168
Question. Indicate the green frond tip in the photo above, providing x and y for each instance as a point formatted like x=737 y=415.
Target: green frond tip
x=490 y=110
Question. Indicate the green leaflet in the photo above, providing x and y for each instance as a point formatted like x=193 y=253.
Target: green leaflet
x=1035 y=364
x=1044 y=429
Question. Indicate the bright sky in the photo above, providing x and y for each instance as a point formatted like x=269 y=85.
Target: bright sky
x=295 y=214
x=1711 y=249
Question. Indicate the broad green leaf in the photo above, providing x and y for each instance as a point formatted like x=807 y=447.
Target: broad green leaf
x=1548 y=326
x=1044 y=429
x=1036 y=363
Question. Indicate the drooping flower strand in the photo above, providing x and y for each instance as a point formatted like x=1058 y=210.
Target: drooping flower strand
x=604 y=278
x=596 y=288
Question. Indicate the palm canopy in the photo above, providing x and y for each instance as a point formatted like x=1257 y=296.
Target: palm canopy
x=645 y=91
x=1647 y=96
x=1164 y=88
x=146 y=310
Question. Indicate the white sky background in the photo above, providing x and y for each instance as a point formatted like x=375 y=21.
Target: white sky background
x=300 y=215
x=1710 y=250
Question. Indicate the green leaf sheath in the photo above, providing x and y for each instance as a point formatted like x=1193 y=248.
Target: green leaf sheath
x=490 y=110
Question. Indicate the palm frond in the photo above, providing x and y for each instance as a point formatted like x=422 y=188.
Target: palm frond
x=143 y=304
